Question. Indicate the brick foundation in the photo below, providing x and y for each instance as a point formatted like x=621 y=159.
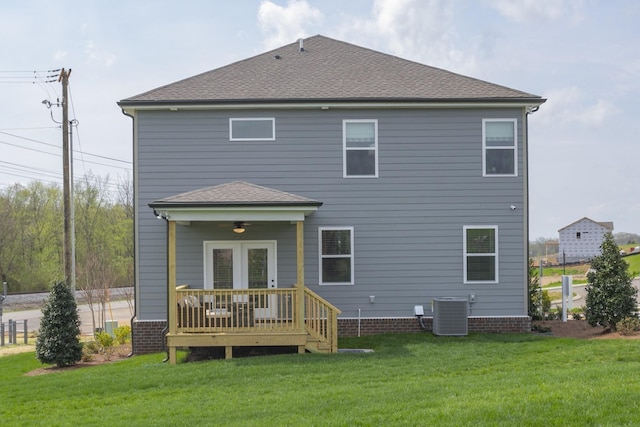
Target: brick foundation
x=349 y=327
x=148 y=336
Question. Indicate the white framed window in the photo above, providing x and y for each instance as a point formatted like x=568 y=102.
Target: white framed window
x=336 y=255
x=252 y=129
x=480 y=250
x=360 y=148
x=499 y=147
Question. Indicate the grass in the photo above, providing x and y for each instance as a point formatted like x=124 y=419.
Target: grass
x=634 y=264
x=411 y=379
x=577 y=270
x=573 y=270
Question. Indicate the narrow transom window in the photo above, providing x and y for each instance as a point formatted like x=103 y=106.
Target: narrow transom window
x=480 y=254
x=336 y=255
x=252 y=129
x=360 y=142
x=499 y=147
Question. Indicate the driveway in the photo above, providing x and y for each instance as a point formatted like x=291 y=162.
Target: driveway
x=119 y=312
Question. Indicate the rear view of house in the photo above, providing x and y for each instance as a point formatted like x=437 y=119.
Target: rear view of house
x=323 y=188
x=581 y=240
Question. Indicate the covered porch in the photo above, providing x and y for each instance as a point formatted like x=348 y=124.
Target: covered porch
x=230 y=311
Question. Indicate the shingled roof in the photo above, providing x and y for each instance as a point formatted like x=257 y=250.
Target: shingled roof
x=327 y=70
x=234 y=193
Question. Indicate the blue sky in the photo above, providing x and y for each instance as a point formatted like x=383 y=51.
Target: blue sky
x=583 y=55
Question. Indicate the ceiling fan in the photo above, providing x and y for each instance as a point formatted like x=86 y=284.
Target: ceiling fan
x=238 y=227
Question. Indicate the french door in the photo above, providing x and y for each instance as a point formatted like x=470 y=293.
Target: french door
x=243 y=265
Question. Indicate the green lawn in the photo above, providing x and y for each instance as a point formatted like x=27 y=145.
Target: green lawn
x=632 y=260
x=411 y=379
x=634 y=264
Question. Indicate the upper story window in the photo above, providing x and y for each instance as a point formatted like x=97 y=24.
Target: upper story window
x=499 y=147
x=360 y=144
x=480 y=254
x=252 y=129
x=336 y=255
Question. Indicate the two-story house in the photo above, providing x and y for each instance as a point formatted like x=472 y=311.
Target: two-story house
x=581 y=240
x=324 y=188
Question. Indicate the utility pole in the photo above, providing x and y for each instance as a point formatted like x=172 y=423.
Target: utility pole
x=66 y=185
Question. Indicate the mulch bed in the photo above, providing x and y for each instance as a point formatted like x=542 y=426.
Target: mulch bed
x=579 y=329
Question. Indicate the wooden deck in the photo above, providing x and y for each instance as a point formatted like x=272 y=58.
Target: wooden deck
x=251 y=318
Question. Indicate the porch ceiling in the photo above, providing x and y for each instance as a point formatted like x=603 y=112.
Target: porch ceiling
x=235 y=201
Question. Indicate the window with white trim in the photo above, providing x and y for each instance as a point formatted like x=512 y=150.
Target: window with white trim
x=360 y=148
x=480 y=254
x=336 y=255
x=499 y=147
x=252 y=129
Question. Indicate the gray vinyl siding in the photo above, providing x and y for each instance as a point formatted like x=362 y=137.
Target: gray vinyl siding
x=408 y=222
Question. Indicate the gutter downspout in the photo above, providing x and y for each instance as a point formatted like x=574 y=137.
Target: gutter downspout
x=135 y=248
x=525 y=154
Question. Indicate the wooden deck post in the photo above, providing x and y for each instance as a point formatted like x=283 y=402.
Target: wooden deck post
x=300 y=273
x=171 y=284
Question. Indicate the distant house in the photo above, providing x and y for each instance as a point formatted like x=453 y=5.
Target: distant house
x=581 y=240
x=323 y=188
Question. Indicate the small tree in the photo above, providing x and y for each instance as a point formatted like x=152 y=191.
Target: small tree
x=58 y=339
x=534 y=292
x=610 y=295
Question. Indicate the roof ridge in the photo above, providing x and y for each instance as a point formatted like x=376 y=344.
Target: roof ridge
x=328 y=69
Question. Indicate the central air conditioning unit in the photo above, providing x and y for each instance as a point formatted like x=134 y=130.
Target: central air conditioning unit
x=450 y=316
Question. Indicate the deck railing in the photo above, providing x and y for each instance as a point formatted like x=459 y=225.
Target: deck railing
x=256 y=310
x=321 y=320
x=235 y=310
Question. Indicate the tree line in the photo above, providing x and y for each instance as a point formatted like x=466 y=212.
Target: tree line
x=31 y=234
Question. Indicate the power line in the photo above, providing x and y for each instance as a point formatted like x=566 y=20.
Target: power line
x=30 y=77
x=57 y=147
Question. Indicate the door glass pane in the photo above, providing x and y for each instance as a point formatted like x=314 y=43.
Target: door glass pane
x=258 y=273
x=223 y=269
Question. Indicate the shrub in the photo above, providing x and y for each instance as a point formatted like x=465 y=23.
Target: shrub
x=546 y=302
x=577 y=313
x=610 y=295
x=58 y=339
x=105 y=342
x=628 y=326
x=123 y=334
x=534 y=292
x=89 y=350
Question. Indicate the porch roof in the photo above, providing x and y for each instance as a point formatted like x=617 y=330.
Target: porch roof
x=235 y=201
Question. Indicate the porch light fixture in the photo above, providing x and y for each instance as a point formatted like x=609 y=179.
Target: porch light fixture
x=238 y=228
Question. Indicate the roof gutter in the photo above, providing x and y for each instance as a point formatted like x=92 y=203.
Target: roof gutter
x=530 y=103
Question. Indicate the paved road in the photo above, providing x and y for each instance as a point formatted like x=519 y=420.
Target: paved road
x=580 y=298
x=119 y=312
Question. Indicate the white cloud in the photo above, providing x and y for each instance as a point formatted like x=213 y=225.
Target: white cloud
x=286 y=24
x=415 y=29
x=60 y=55
x=536 y=10
x=569 y=106
x=94 y=55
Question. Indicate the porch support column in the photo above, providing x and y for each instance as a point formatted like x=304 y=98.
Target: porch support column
x=171 y=283
x=300 y=272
